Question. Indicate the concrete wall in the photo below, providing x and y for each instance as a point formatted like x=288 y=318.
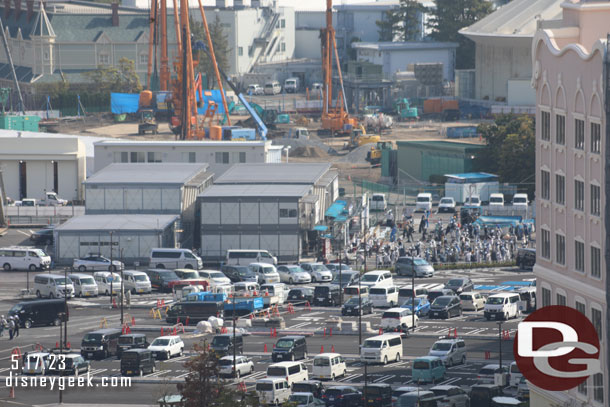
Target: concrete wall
x=308 y=44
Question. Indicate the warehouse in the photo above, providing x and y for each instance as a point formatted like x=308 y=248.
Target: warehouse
x=271 y=217
x=170 y=188
x=126 y=237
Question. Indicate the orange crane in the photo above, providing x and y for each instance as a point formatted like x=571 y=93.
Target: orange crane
x=335 y=118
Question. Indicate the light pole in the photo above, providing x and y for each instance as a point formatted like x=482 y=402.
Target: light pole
x=234 y=334
x=65 y=319
x=500 y=342
x=413 y=296
x=122 y=286
x=360 y=324
x=110 y=269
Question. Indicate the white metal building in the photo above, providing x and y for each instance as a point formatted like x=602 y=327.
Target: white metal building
x=219 y=155
x=126 y=237
x=33 y=166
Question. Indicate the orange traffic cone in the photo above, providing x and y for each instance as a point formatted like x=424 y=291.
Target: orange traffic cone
x=322 y=349
x=11 y=394
x=332 y=349
x=265 y=349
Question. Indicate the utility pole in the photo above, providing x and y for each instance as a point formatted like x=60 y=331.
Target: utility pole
x=500 y=342
x=65 y=318
x=110 y=269
x=122 y=287
x=234 y=334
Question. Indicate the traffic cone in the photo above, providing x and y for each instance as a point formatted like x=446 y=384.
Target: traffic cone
x=11 y=394
x=330 y=332
x=271 y=332
x=133 y=321
x=265 y=349
x=274 y=332
x=187 y=321
x=332 y=348
x=56 y=345
x=161 y=331
x=68 y=345
x=325 y=332
x=322 y=349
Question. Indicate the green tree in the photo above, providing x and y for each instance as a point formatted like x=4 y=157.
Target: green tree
x=510 y=150
x=119 y=78
x=450 y=16
x=402 y=23
x=220 y=42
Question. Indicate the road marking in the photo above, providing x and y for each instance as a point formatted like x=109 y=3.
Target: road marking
x=349 y=378
x=383 y=378
x=476 y=331
x=297 y=326
x=25 y=234
x=450 y=381
x=93 y=372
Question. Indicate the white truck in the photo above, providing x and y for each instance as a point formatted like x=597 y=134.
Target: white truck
x=51 y=199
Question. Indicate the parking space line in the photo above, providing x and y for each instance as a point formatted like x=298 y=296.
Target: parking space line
x=450 y=381
x=383 y=378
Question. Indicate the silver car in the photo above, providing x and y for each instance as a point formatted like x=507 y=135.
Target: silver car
x=293 y=274
x=451 y=351
x=243 y=366
x=406 y=266
x=453 y=396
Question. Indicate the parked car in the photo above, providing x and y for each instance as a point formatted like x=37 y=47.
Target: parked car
x=379 y=278
x=39 y=312
x=453 y=396
x=399 y=391
x=326 y=295
x=445 y=307
x=334 y=268
x=136 y=282
x=446 y=204
x=137 y=362
x=423 y=202
x=328 y=366
x=239 y=273
x=473 y=201
x=255 y=89
x=496 y=199
x=100 y=343
x=378 y=395
x=69 y=364
x=406 y=266
x=418 y=398
x=266 y=273
x=482 y=394
x=290 y=348
x=384 y=296
x=187 y=274
x=107 y=282
x=301 y=294
x=472 y=300
x=305 y=400
x=353 y=307
x=427 y=369
x=96 y=262
x=438 y=292
x=487 y=373
x=526 y=258
x=347 y=278
x=273 y=88
x=164 y=347
x=318 y=272
x=502 y=306
x=459 y=285
x=398 y=320
x=450 y=350
x=422 y=306
x=215 y=276
x=314 y=387
x=342 y=396
x=131 y=341
x=42 y=237
x=162 y=280
x=243 y=366
x=523 y=390
x=36 y=363
x=226 y=344
x=293 y=274
x=520 y=200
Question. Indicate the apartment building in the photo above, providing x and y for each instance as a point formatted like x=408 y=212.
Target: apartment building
x=568 y=59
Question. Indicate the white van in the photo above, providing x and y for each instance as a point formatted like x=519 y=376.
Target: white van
x=273 y=88
x=328 y=366
x=137 y=282
x=378 y=202
x=515 y=374
x=291 y=371
x=520 y=200
x=353 y=291
x=240 y=257
x=274 y=391
x=174 y=259
x=292 y=85
x=266 y=273
x=84 y=285
x=24 y=258
x=423 y=202
x=496 y=199
x=473 y=200
x=406 y=292
x=398 y=320
x=384 y=296
x=381 y=349
x=246 y=287
x=105 y=280
x=275 y=290
x=502 y=306
x=53 y=286
x=380 y=278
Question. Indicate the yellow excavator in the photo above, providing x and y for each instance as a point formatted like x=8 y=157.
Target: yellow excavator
x=374 y=155
x=358 y=137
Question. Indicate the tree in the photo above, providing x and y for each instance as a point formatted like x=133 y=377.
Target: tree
x=119 y=78
x=449 y=17
x=402 y=23
x=510 y=151
x=221 y=49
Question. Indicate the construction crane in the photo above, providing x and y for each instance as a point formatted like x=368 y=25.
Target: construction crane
x=335 y=118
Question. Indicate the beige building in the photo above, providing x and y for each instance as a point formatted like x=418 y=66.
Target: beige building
x=33 y=166
x=568 y=57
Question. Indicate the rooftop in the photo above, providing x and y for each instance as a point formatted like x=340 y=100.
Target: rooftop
x=400 y=46
x=222 y=191
x=471 y=175
x=150 y=143
x=118 y=223
x=285 y=173
x=144 y=173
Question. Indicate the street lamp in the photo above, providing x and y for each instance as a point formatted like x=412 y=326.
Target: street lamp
x=110 y=269
x=413 y=296
x=360 y=323
x=122 y=286
x=500 y=342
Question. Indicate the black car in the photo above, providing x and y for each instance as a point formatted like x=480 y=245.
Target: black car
x=68 y=364
x=131 y=341
x=39 y=312
x=290 y=348
x=42 y=236
x=195 y=311
x=445 y=307
x=137 y=362
x=301 y=294
x=378 y=395
x=460 y=285
x=347 y=278
x=482 y=394
x=526 y=258
x=224 y=344
x=434 y=294
x=342 y=396
x=353 y=307
x=100 y=344
x=329 y=294
x=314 y=387
x=238 y=273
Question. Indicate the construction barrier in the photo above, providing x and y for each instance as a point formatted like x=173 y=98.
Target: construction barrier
x=155 y=313
x=452 y=333
x=125 y=329
x=17 y=351
x=506 y=335
x=103 y=323
x=308 y=305
x=242 y=387
x=38 y=347
x=487 y=355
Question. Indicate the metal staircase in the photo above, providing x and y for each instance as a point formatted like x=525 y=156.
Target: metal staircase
x=265 y=42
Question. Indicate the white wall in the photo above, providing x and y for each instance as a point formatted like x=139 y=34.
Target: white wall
x=307 y=44
x=521 y=93
x=398 y=60
x=133 y=200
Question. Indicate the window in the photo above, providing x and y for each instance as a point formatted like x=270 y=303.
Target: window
x=596 y=320
x=595 y=200
x=154 y=157
x=560 y=189
x=580 y=307
x=222 y=158
x=103 y=59
x=121 y=157
x=582 y=388
x=282 y=47
x=546 y=244
x=137 y=157
x=596 y=262
x=143 y=59
x=598 y=387
x=579 y=258
x=596 y=139
x=46 y=55
x=546 y=297
x=240 y=51
x=288 y=213
x=283 y=23
x=560 y=243
x=189 y=157
x=579 y=195
x=242 y=157
x=561 y=299
x=579 y=134
x=560 y=122
x=545 y=128
x=545 y=184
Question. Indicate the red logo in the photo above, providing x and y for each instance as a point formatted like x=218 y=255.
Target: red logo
x=557 y=348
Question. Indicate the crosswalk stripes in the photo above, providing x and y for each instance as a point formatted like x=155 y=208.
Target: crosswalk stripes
x=93 y=372
x=383 y=378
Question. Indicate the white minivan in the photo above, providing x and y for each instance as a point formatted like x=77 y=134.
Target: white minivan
x=520 y=200
x=53 y=286
x=84 y=285
x=381 y=349
x=24 y=258
x=502 y=306
x=291 y=371
x=107 y=281
x=496 y=199
x=266 y=273
x=273 y=391
x=240 y=257
x=378 y=202
x=174 y=259
x=515 y=374
x=328 y=366
x=273 y=88
x=137 y=282
x=380 y=278
x=384 y=296
x=423 y=202
x=275 y=290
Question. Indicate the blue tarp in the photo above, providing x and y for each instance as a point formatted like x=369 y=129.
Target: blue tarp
x=498 y=220
x=215 y=96
x=124 y=103
x=336 y=209
x=320 y=228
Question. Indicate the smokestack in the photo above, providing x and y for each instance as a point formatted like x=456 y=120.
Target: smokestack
x=30 y=9
x=17 y=9
x=115 y=14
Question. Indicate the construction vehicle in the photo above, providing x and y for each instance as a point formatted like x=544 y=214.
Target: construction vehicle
x=374 y=155
x=335 y=118
x=148 y=122
x=404 y=111
x=358 y=137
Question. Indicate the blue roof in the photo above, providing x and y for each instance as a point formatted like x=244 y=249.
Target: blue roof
x=470 y=177
x=336 y=209
x=498 y=220
x=320 y=228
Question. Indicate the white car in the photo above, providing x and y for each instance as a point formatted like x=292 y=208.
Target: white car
x=520 y=200
x=243 y=366
x=293 y=274
x=318 y=271
x=398 y=320
x=216 y=276
x=473 y=201
x=164 y=347
x=95 y=262
x=255 y=89
x=472 y=300
x=446 y=204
